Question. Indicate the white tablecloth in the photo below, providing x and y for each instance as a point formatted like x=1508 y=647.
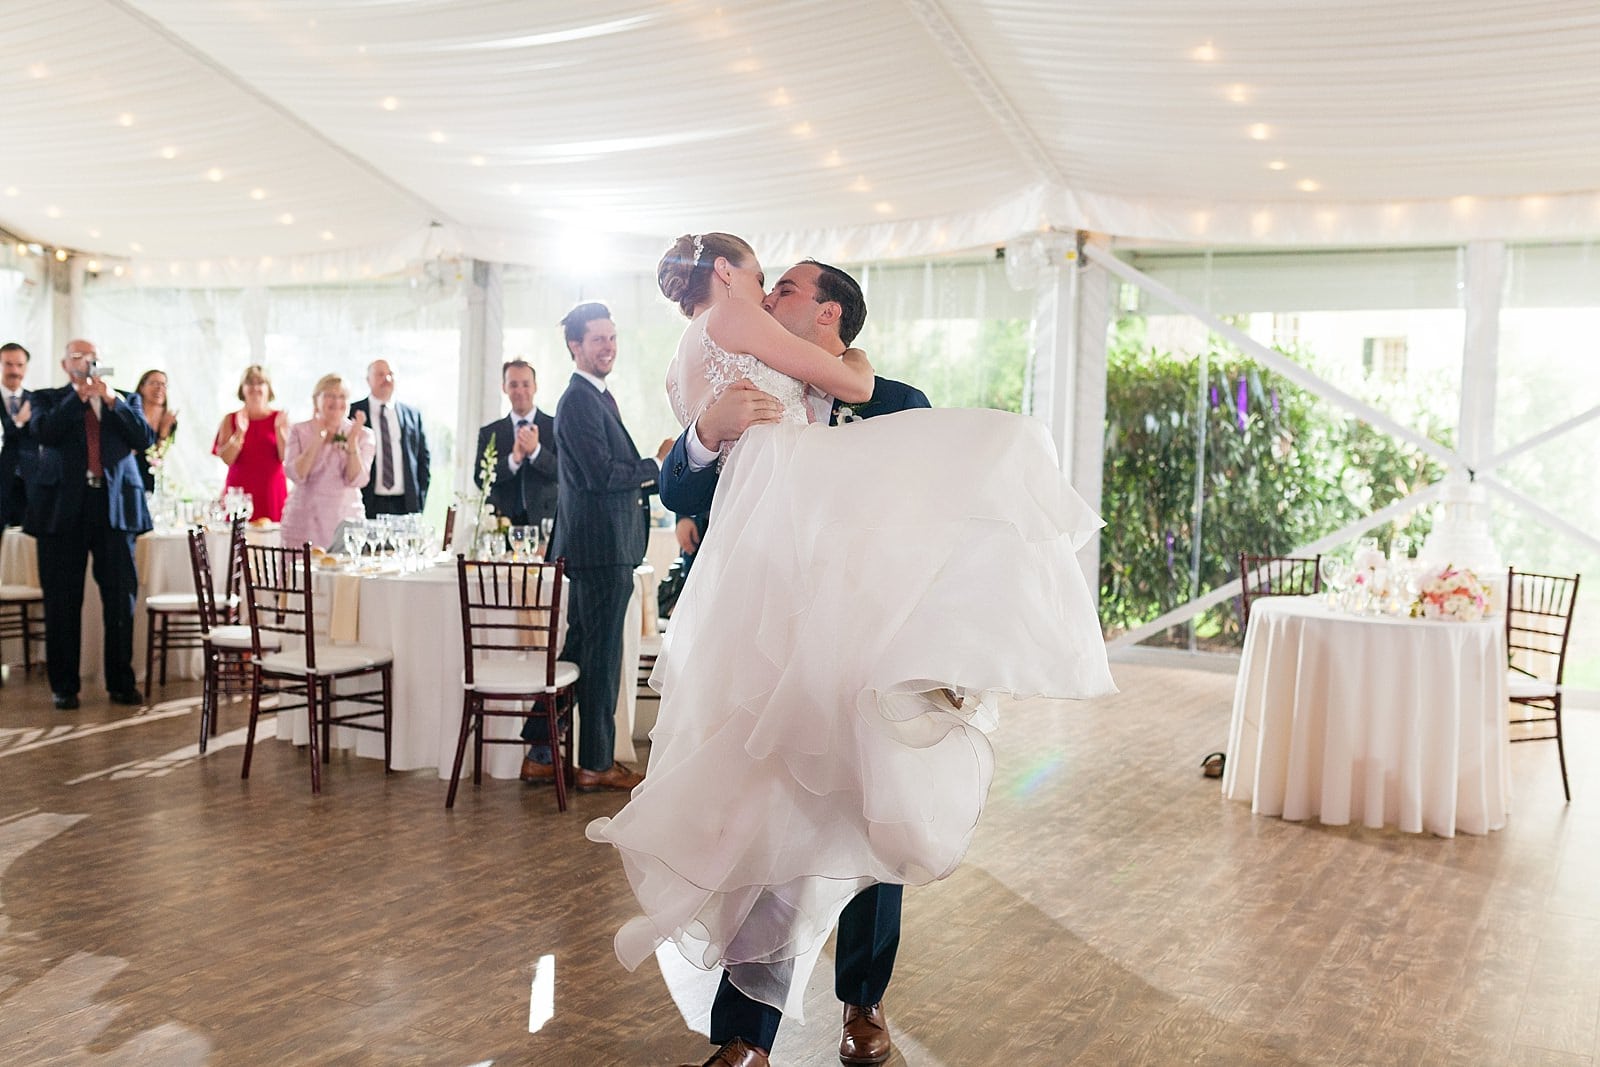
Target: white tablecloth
x=162 y=559
x=1349 y=718
x=417 y=617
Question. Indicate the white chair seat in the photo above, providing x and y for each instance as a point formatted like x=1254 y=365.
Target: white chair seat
x=518 y=676
x=1521 y=686
x=179 y=602
x=10 y=593
x=332 y=659
x=238 y=638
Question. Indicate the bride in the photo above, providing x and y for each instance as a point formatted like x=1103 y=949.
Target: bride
x=828 y=680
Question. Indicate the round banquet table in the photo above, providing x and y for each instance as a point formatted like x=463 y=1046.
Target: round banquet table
x=1349 y=718
x=161 y=558
x=417 y=618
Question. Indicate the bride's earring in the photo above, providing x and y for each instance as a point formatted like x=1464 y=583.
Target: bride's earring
x=728 y=285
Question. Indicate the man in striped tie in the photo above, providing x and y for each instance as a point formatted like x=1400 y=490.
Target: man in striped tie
x=399 y=481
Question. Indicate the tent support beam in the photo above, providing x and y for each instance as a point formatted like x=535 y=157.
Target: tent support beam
x=482 y=350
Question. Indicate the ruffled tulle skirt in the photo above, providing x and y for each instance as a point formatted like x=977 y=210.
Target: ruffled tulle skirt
x=805 y=747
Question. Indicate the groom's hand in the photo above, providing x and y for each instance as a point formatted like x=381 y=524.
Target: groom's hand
x=740 y=407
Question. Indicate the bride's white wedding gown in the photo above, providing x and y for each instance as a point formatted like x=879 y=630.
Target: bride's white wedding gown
x=804 y=750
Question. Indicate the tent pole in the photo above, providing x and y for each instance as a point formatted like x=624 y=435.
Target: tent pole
x=1485 y=271
x=482 y=349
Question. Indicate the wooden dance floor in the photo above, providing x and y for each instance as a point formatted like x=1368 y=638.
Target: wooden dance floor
x=1114 y=909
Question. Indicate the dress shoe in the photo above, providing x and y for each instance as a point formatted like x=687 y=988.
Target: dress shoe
x=866 y=1035
x=65 y=701
x=130 y=697
x=616 y=776
x=736 y=1053
x=533 y=771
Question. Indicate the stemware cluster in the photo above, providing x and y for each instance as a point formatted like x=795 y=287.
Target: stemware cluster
x=1370 y=583
x=519 y=543
x=405 y=541
x=236 y=503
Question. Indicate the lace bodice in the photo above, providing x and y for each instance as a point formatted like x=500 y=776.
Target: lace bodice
x=702 y=369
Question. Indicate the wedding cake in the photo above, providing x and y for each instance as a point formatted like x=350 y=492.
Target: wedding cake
x=1461 y=538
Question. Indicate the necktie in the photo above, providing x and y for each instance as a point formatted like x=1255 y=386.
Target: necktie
x=91 y=427
x=14 y=404
x=611 y=402
x=385 y=461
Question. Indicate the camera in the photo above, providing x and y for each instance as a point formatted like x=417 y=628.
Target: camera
x=93 y=370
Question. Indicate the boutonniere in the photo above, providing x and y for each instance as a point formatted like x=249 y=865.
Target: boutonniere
x=849 y=413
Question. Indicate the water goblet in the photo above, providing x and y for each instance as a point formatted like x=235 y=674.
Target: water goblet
x=519 y=543
x=547 y=529
x=1335 y=573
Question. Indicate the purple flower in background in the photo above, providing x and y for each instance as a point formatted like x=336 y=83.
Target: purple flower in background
x=1244 y=402
x=1171 y=541
x=1213 y=396
x=1275 y=402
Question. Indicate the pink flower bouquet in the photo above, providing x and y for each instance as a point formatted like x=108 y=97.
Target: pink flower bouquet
x=1452 y=593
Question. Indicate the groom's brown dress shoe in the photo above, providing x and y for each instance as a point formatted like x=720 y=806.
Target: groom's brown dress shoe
x=736 y=1053
x=866 y=1035
x=616 y=776
x=537 y=772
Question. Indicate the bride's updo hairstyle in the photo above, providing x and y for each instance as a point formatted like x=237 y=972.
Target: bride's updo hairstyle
x=685 y=273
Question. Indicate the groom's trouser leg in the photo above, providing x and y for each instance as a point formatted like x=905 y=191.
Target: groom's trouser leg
x=869 y=936
x=599 y=609
x=735 y=1015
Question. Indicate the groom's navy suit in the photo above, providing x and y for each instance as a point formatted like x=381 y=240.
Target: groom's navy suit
x=869 y=926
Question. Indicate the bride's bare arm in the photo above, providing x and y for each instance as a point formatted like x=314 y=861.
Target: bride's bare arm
x=743 y=327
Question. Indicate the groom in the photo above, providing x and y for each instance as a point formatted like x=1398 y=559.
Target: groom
x=825 y=306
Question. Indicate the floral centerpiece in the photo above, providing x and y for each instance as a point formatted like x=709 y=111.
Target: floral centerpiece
x=155 y=457
x=473 y=508
x=1452 y=593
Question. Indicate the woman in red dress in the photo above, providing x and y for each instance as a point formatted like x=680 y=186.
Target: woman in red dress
x=251 y=441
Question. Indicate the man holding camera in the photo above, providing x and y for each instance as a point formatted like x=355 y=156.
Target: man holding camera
x=86 y=498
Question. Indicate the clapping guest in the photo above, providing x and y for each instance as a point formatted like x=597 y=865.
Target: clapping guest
x=252 y=442
x=152 y=390
x=329 y=458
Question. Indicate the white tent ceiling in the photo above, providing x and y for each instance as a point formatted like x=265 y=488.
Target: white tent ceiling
x=344 y=129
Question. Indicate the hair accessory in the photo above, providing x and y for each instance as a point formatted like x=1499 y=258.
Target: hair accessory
x=699 y=250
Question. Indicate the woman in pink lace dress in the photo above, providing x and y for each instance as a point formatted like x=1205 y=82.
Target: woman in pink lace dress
x=329 y=458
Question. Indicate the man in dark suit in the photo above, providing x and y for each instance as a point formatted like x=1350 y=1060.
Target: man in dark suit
x=825 y=306
x=399 y=481
x=602 y=533
x=86 y=498
x=526 y=477
x=14 y=405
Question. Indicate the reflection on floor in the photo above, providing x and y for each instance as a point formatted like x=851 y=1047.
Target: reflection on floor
x=155 y=909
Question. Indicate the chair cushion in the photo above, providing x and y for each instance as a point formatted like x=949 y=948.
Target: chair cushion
x=238 y=638
x=1520 y=685
x=334 y=659
x=518 y=675
x=172 y=602
x=21 y=592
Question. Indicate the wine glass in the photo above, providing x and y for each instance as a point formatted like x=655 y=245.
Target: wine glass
x=519 y=543
x=547 y=529
x=1335 y=573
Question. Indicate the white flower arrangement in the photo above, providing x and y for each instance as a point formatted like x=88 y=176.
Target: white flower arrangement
x=1452 y=593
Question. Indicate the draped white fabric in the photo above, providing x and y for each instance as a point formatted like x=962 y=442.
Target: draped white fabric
x=329 y=136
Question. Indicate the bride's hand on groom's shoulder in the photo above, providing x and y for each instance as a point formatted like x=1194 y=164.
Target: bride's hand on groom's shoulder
x=740 y=407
